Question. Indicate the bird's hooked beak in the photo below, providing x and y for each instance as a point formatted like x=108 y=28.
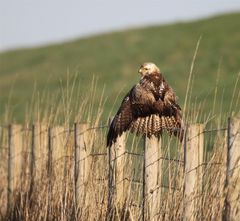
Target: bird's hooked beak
x=140 y=71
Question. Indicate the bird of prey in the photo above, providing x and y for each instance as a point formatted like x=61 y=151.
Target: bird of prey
x=148 y=108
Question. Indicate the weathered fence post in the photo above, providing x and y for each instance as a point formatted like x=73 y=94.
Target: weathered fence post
x=81 y=162
x=233 y=170
x=193 y=156
x=39 y=150
x=119 y=152
x=117 y=185
x=152 y=182
x=58 y=153
x=15 y=160
x=4 y=152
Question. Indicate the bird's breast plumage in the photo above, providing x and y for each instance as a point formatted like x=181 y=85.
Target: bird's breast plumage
x=142 y=94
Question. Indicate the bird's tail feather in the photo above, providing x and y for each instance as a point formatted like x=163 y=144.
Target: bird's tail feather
x=155 y=124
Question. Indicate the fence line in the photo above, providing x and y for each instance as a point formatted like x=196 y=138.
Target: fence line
x=42 y=151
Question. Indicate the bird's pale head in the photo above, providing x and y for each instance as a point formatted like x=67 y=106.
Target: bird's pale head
x=148 y=68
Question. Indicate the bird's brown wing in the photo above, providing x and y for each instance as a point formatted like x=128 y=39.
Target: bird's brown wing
x=121 y=121
x=137 y=103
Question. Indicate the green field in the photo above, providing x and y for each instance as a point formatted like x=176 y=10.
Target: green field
x=114 y=59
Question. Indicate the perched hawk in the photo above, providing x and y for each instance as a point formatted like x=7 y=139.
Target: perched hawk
x=148 y=108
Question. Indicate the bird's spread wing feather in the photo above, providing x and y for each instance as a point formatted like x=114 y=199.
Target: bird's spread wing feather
x=121 y=121
x=147 y=109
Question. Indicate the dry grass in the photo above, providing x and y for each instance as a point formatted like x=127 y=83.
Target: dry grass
x=52 y=196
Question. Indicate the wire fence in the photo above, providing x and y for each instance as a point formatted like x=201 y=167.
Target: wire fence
x=163 y=180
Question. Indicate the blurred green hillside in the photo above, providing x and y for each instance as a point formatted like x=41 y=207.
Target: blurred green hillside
x=115 y=58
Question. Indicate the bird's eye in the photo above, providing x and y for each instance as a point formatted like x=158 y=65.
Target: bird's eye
x=145 y=69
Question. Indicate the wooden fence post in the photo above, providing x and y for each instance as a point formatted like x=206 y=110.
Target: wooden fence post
x=193 y=156
x=58 y=152
x=39 y=151
x=117 y=186
x=119 y=152
x=152 y=190
x=81 y=162
x=233 y=170
x=15 y=161
x=4 y=152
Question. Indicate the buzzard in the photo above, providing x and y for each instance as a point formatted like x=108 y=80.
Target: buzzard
x=148 y=108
